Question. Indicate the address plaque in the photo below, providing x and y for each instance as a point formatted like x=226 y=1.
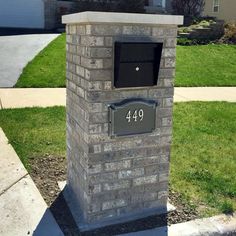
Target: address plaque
x=132 y=116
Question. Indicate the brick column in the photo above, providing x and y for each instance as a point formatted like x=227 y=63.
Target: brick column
x=115 y=179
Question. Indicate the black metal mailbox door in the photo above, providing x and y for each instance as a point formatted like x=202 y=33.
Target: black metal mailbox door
x=132 y=117
x=136 y=64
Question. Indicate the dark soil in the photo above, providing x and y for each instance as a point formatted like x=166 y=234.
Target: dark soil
x=47 y=171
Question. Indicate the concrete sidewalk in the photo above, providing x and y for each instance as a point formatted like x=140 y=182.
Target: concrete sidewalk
x=35 y=97
x=22 y=208
x=205 y=94
x=46 y=97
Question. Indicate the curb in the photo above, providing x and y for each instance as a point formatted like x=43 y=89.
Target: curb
x=214 y=226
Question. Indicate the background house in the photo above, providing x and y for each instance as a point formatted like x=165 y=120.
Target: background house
x=222 y=9
x=36 y=14
x=158 y=6
x=46 y=14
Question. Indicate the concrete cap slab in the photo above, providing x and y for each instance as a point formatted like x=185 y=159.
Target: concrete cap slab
x=11 y=169
x=122 y=18
x=24 y=212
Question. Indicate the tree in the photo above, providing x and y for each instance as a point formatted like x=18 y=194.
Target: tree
x=135 y=6
x=189 y=8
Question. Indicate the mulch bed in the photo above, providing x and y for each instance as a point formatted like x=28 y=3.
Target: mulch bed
x=47 y=171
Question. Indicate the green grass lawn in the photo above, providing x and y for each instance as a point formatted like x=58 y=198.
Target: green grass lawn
x=205 y=65
x=203 y=159
x=47 y=69
x=35 y=132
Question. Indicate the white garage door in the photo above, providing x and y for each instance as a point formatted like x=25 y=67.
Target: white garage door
x=22 y=13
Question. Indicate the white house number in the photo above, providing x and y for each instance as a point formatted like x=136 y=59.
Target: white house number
x=136 y=116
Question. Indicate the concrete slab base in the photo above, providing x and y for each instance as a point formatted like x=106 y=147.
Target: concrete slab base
x=83 y=226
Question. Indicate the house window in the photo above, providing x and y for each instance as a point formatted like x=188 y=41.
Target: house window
x=216 y=5
x=159 y=3
x=146 y=2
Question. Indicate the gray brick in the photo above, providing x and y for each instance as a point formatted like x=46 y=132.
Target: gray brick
x=145 y=180
x=168 y=102
x=116 y=185
x=92 y=63
x=162 y=194
x=158 y=32
x=166 y=73
x=163 y=177
x=104 y=29
x=98 y=74
x=170 y=62
x=136 y=30
x=113 y=204
x=92 y=41
x=95 y=188
x=95 y=128
x=170 y=42
x=99 y=52
x=95 y=86
x=169 y=52
x=93 y=169
x=102 y=215
x=80 y=29
x=125 y=164
x=143 y=197
x=103 y=177
x=123 y=174
x=108 y=41
x=93 y=208
x=151 y=170
x=80 y=70
x=139 y=162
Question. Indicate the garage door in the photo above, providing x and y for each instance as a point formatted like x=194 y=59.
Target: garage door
x=22 y=13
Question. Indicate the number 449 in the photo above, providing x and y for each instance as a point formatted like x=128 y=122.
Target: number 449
x=136 y=116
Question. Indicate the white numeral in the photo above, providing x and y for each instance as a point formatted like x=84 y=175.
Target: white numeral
x=141 y=114
x=128 y=116
x=136 y=114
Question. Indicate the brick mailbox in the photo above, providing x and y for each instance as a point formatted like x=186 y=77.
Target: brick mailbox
x=120 y=70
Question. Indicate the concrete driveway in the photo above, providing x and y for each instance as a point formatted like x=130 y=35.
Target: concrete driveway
x=16 y=51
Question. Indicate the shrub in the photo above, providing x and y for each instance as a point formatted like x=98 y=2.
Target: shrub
x=191 y=42
x=230 y=34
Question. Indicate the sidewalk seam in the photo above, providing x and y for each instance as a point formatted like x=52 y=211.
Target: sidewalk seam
x=1 y=106
x=5 y=190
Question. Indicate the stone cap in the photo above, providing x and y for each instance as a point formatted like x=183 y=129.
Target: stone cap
x=122 y=18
